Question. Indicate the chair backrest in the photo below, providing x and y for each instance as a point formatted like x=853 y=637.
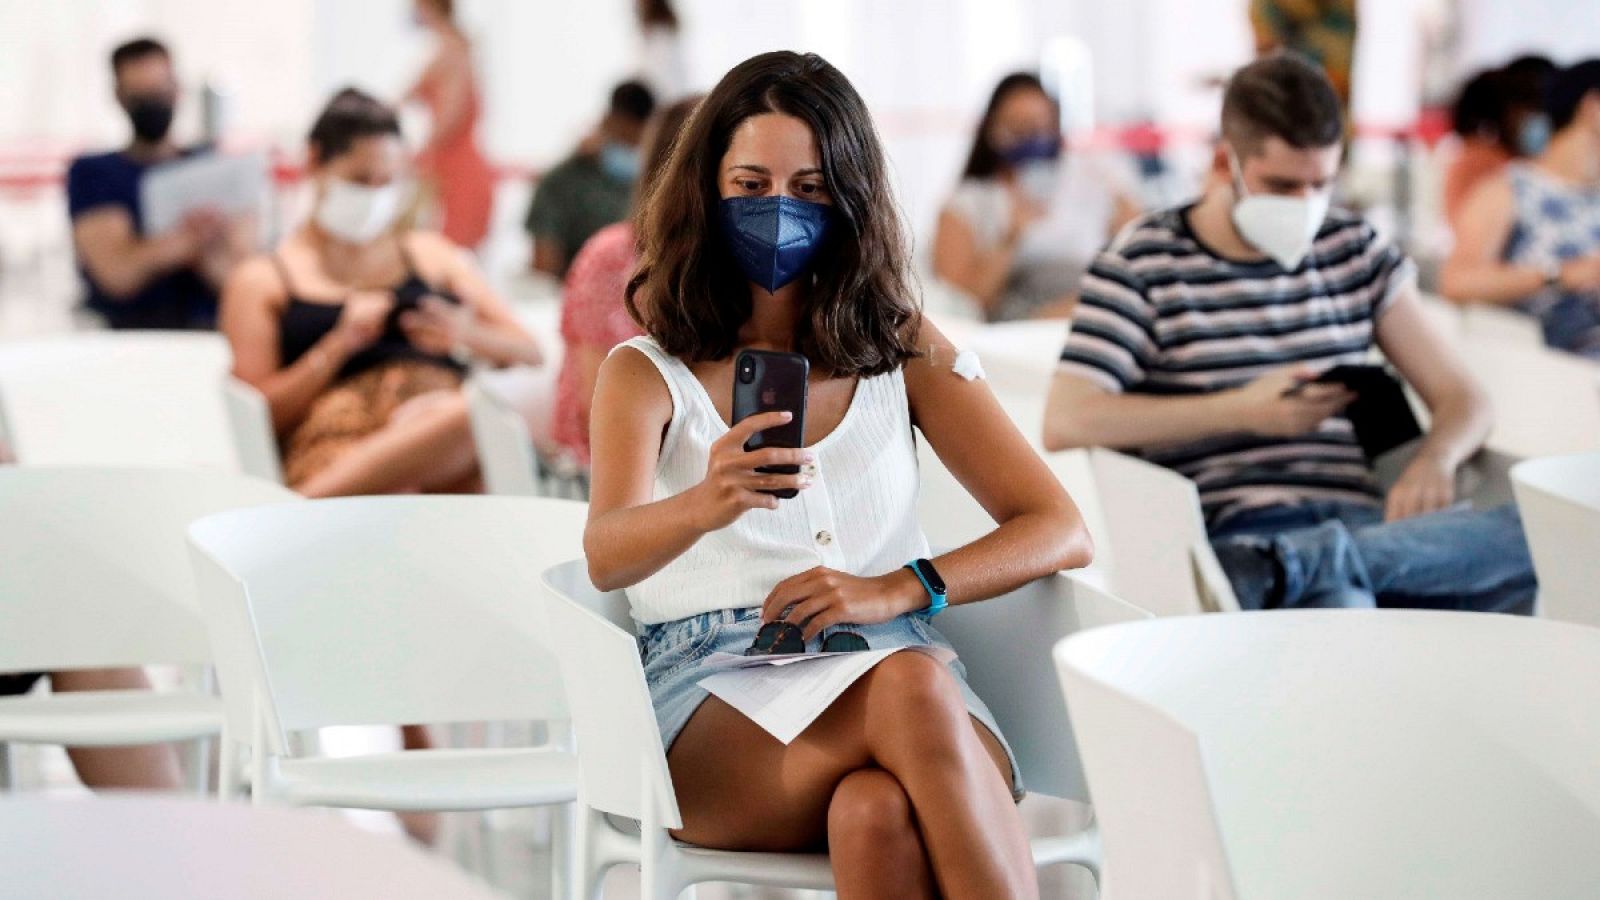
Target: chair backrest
x=1005 y=644
x=118 y=399
x=1157 y=537
x=622 y=763
x=1546 y=403
x=391 y=610
x=505 y=449
x=250 y=423
x=1560 y=502
x=93 y=571
x=1498 y=323
x=1342 y=753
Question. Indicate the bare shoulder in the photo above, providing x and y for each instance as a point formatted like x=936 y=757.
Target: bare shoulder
x=935 y=355
x=628 y=379
x=256 y=280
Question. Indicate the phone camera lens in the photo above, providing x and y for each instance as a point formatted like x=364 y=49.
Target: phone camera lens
x=747 y=371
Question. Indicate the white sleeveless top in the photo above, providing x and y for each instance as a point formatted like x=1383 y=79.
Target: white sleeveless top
x=858 y=516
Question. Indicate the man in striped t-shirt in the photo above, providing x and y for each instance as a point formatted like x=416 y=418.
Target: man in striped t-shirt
x=1196 y=337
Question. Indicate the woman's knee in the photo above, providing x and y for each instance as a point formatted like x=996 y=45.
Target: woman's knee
x=869 y=808
x=446 y=410
x=916 y=684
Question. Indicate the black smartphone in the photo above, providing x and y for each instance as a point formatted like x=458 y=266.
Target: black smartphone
x=1380 y=414
x=766 y=381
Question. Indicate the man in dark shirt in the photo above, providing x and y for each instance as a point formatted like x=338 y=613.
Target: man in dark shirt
x=133 y=279
x=593 y=187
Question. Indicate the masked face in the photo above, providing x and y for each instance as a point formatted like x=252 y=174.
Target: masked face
x=619 y=161
x=357 y=213
x=150 y=115
x=1533 y=134
x=1283 y=226
x=774 y=239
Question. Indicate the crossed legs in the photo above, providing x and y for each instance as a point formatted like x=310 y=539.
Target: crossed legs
x=906 y=791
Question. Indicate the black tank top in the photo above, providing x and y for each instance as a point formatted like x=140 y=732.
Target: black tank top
x=304 y=323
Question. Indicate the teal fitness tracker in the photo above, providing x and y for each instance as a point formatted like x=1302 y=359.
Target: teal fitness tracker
x=929 y=576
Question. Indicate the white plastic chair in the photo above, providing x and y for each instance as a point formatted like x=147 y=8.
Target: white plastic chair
x=1546 y=403
x=93 y=575
x=505 y=448
x=141 y=847
x=117 y=398
x=623 y=766
x=388 y=611
x=1560 y=502
x=250 y=424
x=1341 y=753
x=1162 y=558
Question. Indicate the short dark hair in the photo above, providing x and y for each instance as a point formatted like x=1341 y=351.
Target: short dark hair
x=1480 y=107
x=860 y=315
x=632 y=100
x=135 y=50
x=1568 y=88
x=984 y=160
x=351 y=115
x=1282 y=95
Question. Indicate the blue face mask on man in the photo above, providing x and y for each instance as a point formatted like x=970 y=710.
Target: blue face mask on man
x=774 y=239
x=619 y=161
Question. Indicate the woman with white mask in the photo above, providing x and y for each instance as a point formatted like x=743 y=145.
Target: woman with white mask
x=1027 y=217
x=357 y=332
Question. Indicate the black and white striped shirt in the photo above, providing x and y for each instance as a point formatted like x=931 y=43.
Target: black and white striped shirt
x=1163 y=314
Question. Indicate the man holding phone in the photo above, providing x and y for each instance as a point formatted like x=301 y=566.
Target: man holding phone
x=1199 y=342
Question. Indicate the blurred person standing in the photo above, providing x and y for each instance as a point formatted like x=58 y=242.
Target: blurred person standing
x=450 y=164
x=593 y=187
x=661 y=63
x=594 y=314
x=1029 y=214
x=1530 y=237
x=132 y=279
x=1499 y=116
x=1322 y=30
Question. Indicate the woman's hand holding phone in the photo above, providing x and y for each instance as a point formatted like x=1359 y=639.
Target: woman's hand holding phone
x=732 y=484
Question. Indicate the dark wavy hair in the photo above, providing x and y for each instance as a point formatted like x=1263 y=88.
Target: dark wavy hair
x=984 y=160
x=860 y=316
x=351 y=115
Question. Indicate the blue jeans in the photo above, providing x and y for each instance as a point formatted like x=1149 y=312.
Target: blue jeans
x=1345 y=555
x=1572 y=324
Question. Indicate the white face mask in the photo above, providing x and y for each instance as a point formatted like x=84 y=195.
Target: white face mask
x=1281 y=227
x=357 y=213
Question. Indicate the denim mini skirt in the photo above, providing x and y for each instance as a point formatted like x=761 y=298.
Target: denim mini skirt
x=673 y=654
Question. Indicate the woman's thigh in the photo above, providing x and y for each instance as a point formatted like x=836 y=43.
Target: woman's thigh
x=740 y=788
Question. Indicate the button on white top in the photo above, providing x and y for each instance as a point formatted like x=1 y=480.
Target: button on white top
x=824 y=537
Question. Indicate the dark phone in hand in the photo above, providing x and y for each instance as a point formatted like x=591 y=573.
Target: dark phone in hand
x=1380 y=414
x=766 y=381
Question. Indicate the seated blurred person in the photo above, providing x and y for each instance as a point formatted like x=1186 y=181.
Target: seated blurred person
x=357 y=332
x=1499 y=116
x=136 y=280
x=148 y=767
x=591 y=188
x=1196 y=345
x=594 y=314
x=1530 y=238
x=1028 y=215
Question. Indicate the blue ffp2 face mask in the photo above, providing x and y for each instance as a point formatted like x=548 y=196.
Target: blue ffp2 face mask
x=774 y=239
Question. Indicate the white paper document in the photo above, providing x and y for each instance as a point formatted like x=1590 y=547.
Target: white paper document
x=231 y=185
x=786 y=693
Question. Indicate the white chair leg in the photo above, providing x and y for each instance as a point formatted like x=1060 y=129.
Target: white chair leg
x=197 y=765
x=658 y=876
x=8 y=774
x=564 y=850
x=228 y=768
x=589 y=876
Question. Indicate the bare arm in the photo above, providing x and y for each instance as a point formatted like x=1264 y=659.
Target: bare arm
x=120 y=261
x=1475 y=273
x=451 y=75
x=492 y=332
x=630 y=537
x=1458 y=405
x=1039 y=528
x=957 y=259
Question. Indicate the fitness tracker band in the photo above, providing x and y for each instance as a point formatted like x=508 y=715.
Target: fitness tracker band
x=933 y=584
